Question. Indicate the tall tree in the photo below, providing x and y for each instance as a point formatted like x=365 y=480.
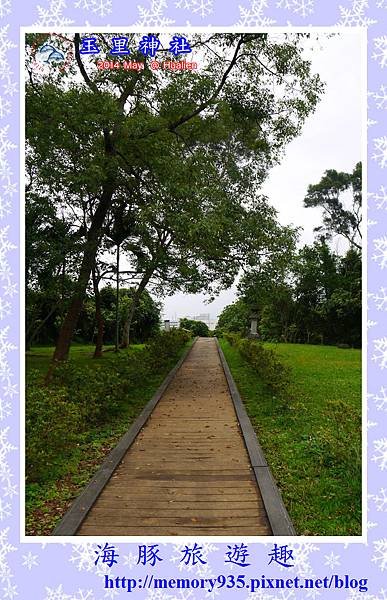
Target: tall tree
x=315 y=275
x=123 y=121
x=52 y=251
x=339 y=217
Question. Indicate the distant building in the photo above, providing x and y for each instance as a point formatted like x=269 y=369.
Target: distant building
x=204 y=317
x=172 y=324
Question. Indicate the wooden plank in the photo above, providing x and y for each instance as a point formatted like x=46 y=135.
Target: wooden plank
x=155 y=532
x=166 y=465
x=221 y=503
x=225 y=487
x=121 y=521
x=192 y=499
x=132 y=513
x=186 y=453
x=199 y=477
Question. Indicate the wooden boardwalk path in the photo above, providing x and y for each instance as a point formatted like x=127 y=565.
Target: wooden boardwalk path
x=188 y=471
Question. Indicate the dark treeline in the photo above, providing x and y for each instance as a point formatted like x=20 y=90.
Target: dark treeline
x=320 y=304
x=44 y=317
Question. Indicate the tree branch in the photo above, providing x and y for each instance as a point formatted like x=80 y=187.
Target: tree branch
x=205 y=104
x=88 y=81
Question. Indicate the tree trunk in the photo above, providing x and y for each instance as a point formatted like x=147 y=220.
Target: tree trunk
x=31 y=336
x=63 y=285
x=136 y=297
x=125 y=341
x=70 y=322
x=98 y=318
x=117 y=300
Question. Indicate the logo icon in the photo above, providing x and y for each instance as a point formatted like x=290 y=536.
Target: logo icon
x=50 y=55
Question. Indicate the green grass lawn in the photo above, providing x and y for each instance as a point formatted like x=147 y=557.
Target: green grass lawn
x=39 y=357
x=48 y=498
x=313 y=445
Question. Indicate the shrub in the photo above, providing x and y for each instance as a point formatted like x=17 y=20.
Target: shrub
x=197 y=327
x=52 y=424
x=232 y=338
x=82 y=397
x=98 y=393
x=267 y=363
x=166 y=346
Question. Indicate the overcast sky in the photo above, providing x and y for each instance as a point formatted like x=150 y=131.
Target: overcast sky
x=331 y=139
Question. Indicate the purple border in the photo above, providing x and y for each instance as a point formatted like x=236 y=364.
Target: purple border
x=68 y=572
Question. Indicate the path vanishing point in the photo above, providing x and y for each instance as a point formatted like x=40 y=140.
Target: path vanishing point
x=190 y=465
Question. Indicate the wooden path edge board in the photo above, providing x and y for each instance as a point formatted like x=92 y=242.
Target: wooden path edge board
x=277 y=514
x=73 y=518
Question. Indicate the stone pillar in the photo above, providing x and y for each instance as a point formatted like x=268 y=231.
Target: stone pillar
x=167 y=325
x=253 y=325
